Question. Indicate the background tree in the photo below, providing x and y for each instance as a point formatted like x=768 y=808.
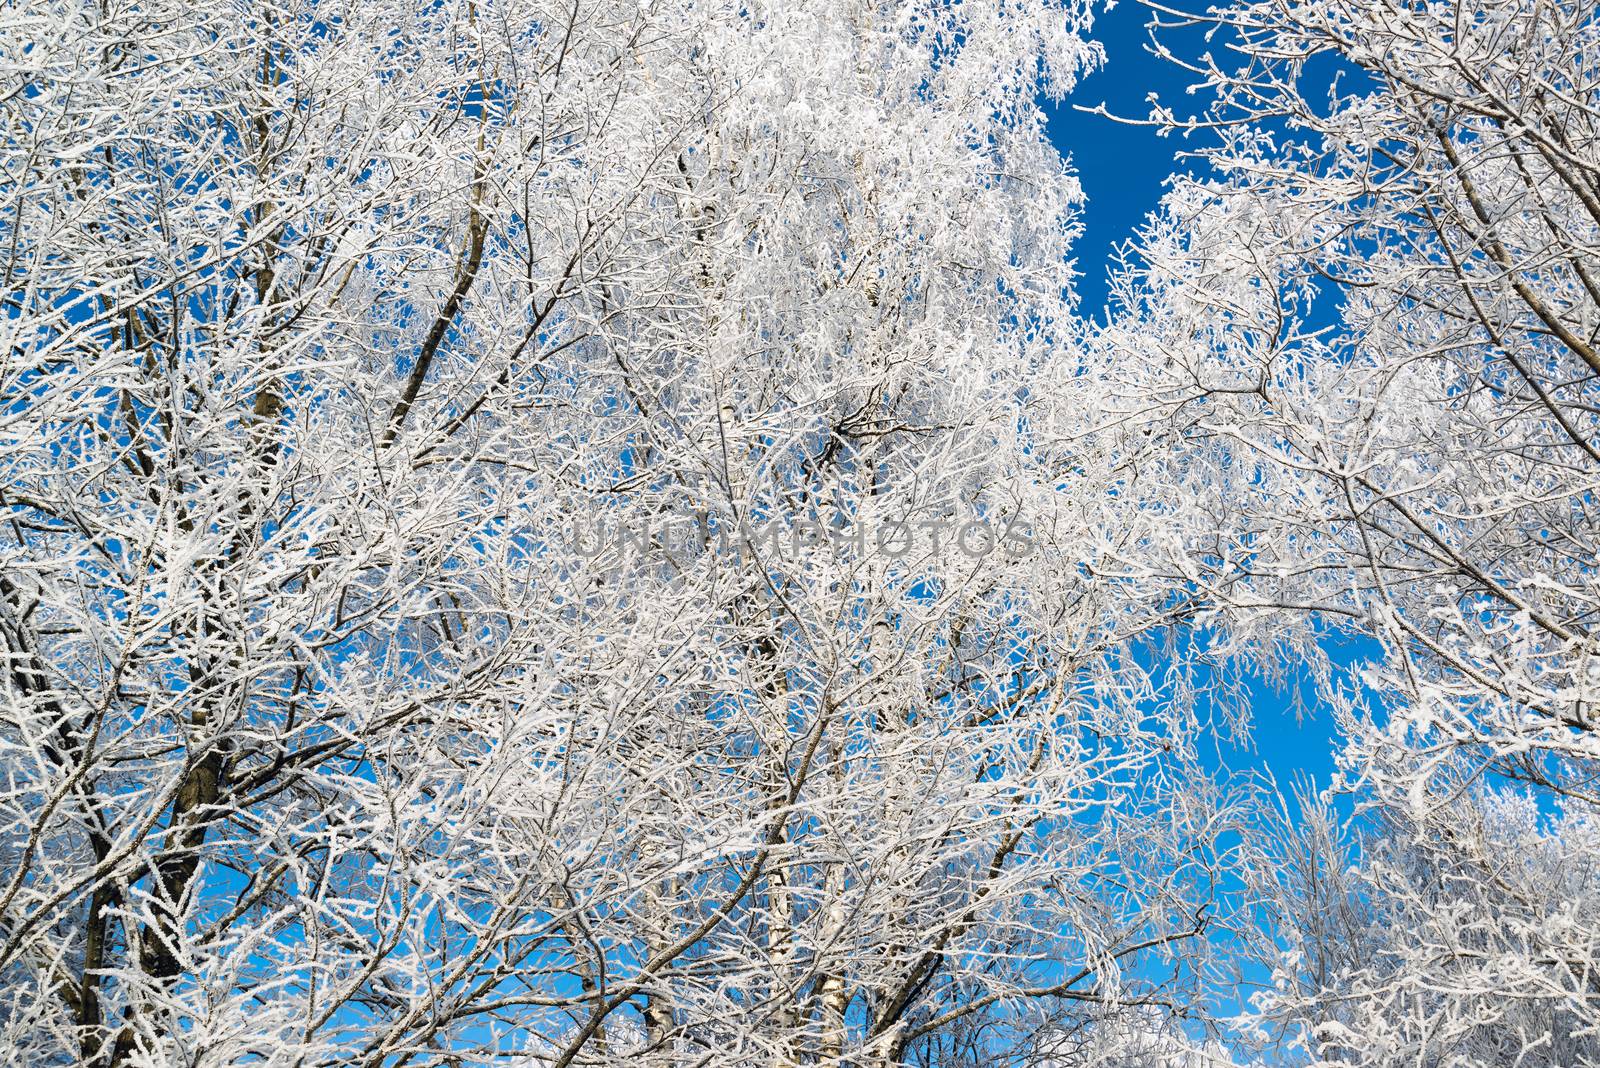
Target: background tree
x=1377 y=323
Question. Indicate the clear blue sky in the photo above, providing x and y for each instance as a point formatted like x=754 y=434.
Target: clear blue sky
x=1123 y=169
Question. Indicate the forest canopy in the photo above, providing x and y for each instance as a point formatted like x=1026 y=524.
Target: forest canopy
x=601 y=534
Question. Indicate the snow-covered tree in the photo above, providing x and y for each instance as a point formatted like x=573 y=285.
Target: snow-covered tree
x=1394 y=948
x=471 y=586
x=1377 y=319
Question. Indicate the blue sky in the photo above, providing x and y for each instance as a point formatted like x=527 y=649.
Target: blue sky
x=1123 y=169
